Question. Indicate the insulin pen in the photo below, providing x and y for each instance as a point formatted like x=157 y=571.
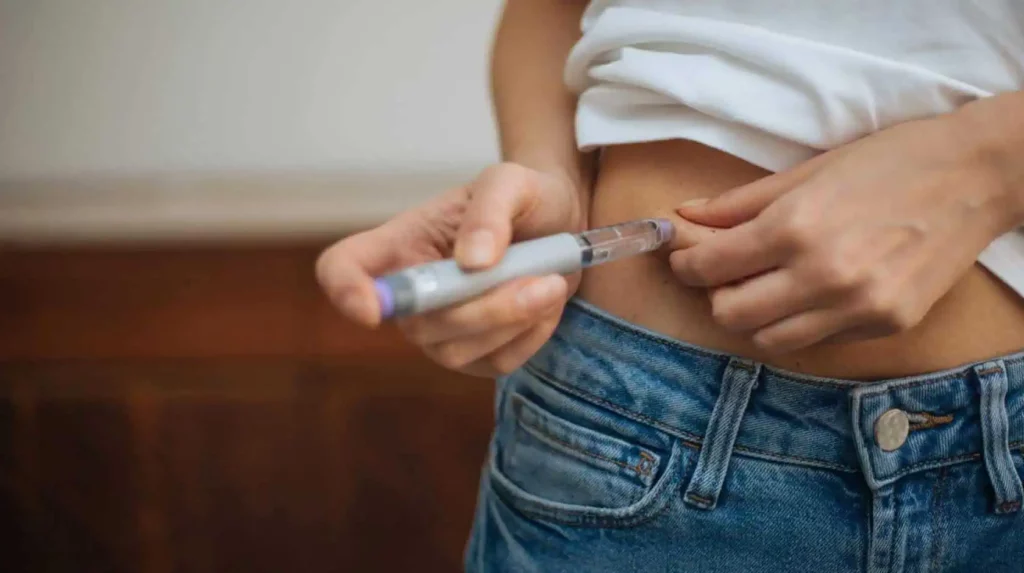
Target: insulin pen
x=442 y=283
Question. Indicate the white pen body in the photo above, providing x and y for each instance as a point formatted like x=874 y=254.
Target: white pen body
x=435 y=285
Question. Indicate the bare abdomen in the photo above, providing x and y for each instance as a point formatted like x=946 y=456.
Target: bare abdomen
x=979 y=318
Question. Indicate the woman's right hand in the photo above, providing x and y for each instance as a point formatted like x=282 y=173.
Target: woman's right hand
x=498 y=331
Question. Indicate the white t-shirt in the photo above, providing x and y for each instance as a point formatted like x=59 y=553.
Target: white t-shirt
x=775 y=83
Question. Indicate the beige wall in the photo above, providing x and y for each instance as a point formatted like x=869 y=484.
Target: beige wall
x=143 y=86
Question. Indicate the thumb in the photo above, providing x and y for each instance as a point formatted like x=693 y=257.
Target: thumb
x=345 y=272
x=689 y=234
x=497 y=198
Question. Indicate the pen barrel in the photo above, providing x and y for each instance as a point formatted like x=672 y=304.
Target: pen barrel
x=435 y=285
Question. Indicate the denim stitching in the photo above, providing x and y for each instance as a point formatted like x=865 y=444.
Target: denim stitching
x=791 y=458
x=590 y=520
x=537 y=371
x=544 y=436
x=523 y=402
x=611 y=405
x=937 y=522
x=583 y=520
x=663 y=426
x=806 y=382
x=937 y=462
x=869 y=392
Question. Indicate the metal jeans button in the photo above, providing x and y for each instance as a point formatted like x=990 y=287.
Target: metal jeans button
x=892 y=429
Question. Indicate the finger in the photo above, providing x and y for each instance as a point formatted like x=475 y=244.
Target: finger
x=731 y=255
x=497 y=198
x=761 y=300
x=802 y=330
x=742 y=204
x=345 y=272
x=508 y=304
x=513 y=355
x=737 y=205
x=688 y=234
x=459 y=353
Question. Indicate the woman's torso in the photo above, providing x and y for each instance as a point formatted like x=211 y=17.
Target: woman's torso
x=979 y=318
x=772 y=86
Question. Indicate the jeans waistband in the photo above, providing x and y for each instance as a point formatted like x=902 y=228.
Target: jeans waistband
x=948 y=417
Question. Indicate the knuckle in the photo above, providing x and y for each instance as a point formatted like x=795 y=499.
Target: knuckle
x=726 y=314
x=502 y=311
x=883 y=306
x=798 y=230
x=698 y=270
x=877 y=301
x=689 y=267
x=838 y=276
x=904 y=318
x=505 y=362
x=769 y=342
x=450 y=356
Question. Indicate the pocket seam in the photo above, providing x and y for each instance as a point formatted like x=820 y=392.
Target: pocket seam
x=644 y=469
x=652 y=504
x=559 y=444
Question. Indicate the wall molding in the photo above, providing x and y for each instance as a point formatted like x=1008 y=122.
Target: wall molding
x=204 y=207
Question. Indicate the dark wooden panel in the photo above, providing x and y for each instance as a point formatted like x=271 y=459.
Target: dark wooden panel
x=151 y=303
x=255 y=465
x=204 y=409
x=70 y=471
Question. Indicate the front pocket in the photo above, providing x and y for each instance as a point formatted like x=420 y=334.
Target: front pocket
x=548 y=467
x=563 y=462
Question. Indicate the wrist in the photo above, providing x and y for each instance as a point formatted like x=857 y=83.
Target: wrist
x=577 y=189
x=991 y=131
x=573 y=178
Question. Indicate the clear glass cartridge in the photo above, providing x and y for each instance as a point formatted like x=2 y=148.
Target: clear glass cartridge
x=614 y=242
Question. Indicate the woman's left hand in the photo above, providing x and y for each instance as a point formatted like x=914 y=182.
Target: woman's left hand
x=857 y=243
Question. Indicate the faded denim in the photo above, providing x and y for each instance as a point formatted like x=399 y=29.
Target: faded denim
x=618 y=450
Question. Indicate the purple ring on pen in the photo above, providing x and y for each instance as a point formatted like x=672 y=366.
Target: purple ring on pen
x=386 y=298
x=665 y=230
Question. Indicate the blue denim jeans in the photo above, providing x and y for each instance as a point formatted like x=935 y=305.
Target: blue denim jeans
x=617 y=450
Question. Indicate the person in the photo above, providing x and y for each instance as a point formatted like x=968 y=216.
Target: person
x=822 y=373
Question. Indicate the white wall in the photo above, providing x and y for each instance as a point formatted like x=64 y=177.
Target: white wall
x=140 y=86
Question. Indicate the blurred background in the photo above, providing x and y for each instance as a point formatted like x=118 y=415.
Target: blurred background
x=175 y=392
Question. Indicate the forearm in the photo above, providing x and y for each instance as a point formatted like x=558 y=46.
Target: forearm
x=994 y=129
x=535 y=112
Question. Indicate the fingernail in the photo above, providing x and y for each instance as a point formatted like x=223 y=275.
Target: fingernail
x=538 y=293
x=693 y=203
x=477 y=249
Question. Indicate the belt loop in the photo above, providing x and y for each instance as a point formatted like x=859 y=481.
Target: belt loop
x=995 y=437
x=739 y=380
